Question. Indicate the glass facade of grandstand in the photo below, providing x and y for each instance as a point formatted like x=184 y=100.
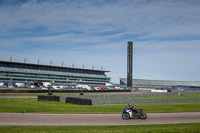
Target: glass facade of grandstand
x=15 y=71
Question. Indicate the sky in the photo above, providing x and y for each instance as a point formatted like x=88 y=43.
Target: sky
x=94 y=33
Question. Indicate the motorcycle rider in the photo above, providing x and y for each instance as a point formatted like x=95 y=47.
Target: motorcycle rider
x=133 y=108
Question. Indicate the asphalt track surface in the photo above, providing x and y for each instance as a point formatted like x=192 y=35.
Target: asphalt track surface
x=33 y=119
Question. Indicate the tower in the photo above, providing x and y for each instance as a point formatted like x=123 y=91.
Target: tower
x=129 y=64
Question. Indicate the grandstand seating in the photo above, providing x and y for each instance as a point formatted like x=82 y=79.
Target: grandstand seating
x=41 y=72
x=26 y=70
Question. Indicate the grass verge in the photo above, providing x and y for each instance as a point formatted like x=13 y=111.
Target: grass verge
x=164 y=128
x=31 y=105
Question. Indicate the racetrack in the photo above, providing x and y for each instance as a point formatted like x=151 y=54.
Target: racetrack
x=33 y=119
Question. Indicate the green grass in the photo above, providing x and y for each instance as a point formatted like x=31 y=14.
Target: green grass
x=164 y=128
x=31 y=105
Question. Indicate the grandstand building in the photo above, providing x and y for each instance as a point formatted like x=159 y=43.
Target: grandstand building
x=27 y=72
x=162 y=84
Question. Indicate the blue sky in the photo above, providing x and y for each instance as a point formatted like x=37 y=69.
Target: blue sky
x=165 y=34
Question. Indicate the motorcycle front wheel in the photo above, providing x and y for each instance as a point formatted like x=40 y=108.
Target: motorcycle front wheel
x=143 y=115
x=125 y=116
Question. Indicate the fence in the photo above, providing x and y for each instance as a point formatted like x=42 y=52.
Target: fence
x=108 y=99
x=141 y=101
x=133 y=95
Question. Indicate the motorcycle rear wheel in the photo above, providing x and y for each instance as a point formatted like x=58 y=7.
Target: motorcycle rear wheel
x=125 y=116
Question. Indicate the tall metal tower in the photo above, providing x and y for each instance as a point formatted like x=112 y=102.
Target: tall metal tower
x=129 y=64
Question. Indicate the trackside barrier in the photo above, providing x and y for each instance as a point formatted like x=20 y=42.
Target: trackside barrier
x=141 y=101
x=133 y=95
x=68 y=99
x=120 y=98
x=48 y=98
x=79 y=101
x=125 y=101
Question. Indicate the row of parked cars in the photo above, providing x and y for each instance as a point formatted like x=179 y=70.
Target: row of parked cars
x=16 y=85
x=50 y=86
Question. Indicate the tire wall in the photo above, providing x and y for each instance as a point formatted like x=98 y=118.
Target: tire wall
x=48 y=98
x=79 y=101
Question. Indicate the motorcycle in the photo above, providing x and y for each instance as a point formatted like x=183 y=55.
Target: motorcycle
x=129 y=114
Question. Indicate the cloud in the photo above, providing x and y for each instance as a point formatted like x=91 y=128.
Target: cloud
x=165 y=35
x=171 y=58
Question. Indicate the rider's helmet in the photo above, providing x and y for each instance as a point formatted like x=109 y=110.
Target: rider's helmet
x=129 y=104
